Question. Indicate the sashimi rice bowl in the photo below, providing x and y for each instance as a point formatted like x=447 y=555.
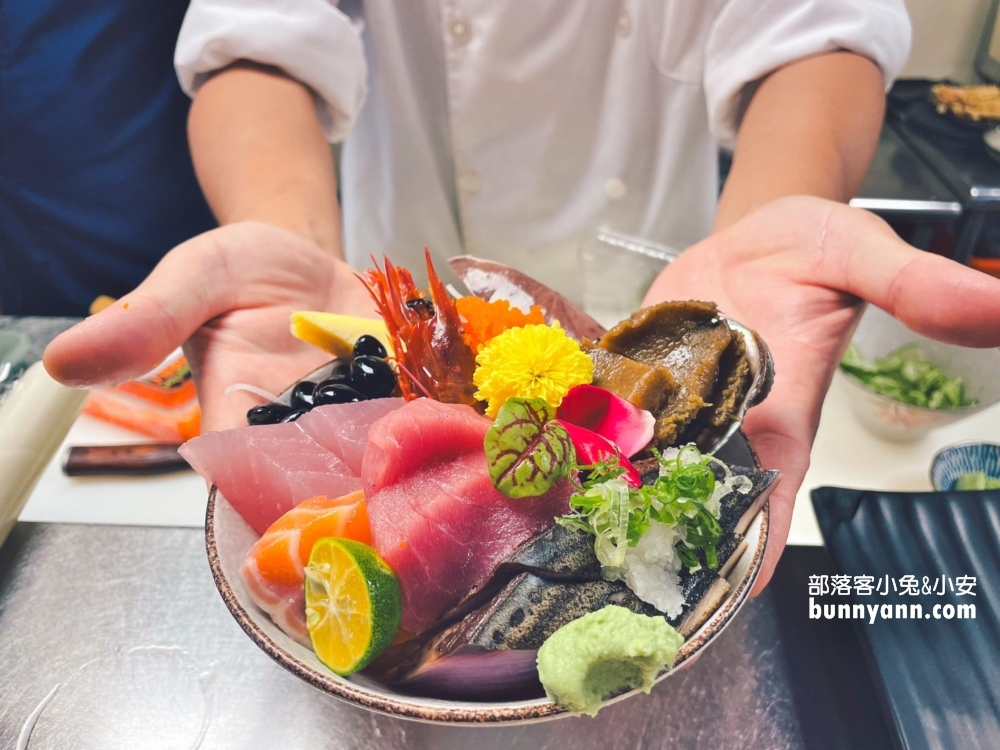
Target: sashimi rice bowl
x=488 y=508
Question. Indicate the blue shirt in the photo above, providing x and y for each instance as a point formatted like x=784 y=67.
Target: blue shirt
x=96 y=181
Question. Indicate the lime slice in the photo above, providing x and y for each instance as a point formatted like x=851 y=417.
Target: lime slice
x=337 y=333
x=353 y=604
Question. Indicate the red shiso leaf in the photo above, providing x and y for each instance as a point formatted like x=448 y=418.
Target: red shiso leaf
x=591 y=448
x=610 y=416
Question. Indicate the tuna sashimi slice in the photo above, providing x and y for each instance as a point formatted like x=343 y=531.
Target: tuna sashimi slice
x=274 y=570
x=266 y=470
x=423 y=433
x=343 y=428
x=436 y=519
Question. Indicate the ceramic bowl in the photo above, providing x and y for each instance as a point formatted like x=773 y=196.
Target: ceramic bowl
x=228 y=538
x=878 y=334
x=955 y=460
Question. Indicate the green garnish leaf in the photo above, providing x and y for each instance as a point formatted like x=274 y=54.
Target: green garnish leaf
x=526 y=452
x=904 y=375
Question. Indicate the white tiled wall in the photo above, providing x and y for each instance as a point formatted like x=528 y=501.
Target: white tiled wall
x=945 y=38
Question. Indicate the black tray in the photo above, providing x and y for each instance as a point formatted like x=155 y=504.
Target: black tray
x=938 y=679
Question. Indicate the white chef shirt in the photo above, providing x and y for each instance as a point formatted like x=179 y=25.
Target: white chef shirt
x=514 y=130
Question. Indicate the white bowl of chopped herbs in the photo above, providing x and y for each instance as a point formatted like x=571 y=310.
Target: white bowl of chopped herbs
x=902 y=384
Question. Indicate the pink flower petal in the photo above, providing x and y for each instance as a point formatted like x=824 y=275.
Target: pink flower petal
x=610 y=416
x=591 y=448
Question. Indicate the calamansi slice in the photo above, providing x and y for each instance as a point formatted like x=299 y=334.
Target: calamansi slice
x=337 y=333
x=353 y=604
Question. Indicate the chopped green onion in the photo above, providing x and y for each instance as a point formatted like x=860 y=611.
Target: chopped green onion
x=684 y=495
x=904 y=375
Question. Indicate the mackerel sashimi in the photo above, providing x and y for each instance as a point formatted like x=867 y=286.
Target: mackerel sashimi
x=435 y=516
x=274 y=570
x=266 y=470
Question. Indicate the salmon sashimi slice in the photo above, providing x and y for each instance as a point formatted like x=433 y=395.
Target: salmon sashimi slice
x=435 y=516
x=273 y=572
x=266 y=470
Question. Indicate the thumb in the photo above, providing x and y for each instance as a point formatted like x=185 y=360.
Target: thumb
x=122 y=342
x=134 y=334
x=195 y=282
x=931 y=295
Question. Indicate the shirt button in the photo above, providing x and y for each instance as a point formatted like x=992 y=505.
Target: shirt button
x=624 y=24
x=461 y=31
x=470 y=183
x=614 y=189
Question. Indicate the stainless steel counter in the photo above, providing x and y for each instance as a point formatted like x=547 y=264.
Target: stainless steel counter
x=114 y=637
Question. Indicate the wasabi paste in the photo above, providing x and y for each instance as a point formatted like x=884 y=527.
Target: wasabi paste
x=605 y=653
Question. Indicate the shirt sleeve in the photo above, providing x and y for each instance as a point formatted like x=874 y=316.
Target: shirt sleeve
x=751 y=38
x=312 y=41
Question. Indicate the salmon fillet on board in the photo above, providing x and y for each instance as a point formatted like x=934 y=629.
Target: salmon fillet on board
x=435 y=516
x=266 y=470
x=274 y=570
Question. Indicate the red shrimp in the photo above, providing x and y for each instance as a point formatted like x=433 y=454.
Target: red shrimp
x=432 y=357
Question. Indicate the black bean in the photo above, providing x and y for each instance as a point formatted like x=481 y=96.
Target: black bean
x=372 y=376
x=294 y=414
x=345 y=380
x=336 y=393
x=267 y=413
x=369 y=345
x=302 y=395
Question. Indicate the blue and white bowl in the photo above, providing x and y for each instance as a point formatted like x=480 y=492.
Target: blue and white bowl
x=951 y=462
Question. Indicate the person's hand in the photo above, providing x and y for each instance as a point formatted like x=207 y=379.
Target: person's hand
x=798 y=272
x=227 y=294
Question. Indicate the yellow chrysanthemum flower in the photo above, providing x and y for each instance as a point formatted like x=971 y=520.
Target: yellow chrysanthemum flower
x=534 y=361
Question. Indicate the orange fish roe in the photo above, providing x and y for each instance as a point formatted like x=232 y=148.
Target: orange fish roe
x=483 y=321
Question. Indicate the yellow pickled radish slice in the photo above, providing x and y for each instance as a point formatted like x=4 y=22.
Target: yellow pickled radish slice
x=353 y=604
x=337 y=333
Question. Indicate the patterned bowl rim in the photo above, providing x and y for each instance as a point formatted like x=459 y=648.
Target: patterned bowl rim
x=460 y=712
x=955 y=447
